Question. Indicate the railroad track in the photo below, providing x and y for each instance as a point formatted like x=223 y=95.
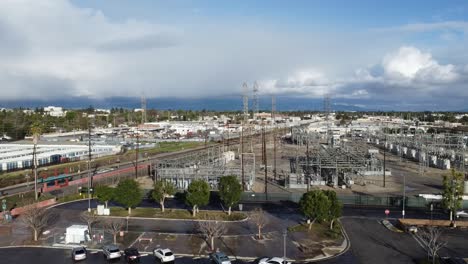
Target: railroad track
x=126 y=167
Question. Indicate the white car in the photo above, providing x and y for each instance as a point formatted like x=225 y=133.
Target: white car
x=462 y=214
x=111 y=252
x=164 y=255
x=79 y=253
x=273 y=261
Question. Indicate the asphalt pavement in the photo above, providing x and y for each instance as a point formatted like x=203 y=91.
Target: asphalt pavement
x=63 y=256
x=371 y=242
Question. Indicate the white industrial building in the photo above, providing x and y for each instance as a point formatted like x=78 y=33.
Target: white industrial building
x=20 y=156
x=54 y=111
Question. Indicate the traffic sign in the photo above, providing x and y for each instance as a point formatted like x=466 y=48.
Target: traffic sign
x=387 y=212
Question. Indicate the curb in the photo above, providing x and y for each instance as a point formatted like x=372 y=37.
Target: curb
x=173 y=219
x=58 y=204
x=390 y=226
x=152 y=218
x=348 y=246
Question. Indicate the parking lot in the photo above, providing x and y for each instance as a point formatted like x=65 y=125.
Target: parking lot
x=49 y=255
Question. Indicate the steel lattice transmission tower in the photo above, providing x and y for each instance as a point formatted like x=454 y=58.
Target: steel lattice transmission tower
x=255 y=98
x=327 y=112
x=245 y=99
x=273 y=108
x=143 y=109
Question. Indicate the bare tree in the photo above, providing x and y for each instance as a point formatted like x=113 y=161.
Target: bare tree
x=260 y=219
x=91 y=219
x=211 y=229
x=114 y=226
x=432 y=239
x=35 y=218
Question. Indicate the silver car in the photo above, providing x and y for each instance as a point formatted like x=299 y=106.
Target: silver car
x=79 y=253
x=111 y=252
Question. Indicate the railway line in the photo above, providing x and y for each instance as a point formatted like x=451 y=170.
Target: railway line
x=129 y=166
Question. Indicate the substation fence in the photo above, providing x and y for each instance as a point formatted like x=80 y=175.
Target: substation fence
x=352 y=200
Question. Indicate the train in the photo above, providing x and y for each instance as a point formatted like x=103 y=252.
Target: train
x=41 y=161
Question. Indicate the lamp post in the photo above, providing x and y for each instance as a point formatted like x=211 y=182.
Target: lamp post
x=285 y=233
x=128 y=217
x=404 y=195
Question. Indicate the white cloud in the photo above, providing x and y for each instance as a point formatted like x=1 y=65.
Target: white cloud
x=310 y=82
x=401 y=74
x=51 y=48
x=409 y=63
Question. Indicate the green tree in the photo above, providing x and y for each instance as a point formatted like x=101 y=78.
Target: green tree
x=230 y=191
x=104 y=193
x=162 y=189
x=334 y=212
x=452 y=191
x=315 y=206
x=198 y=194
x=128 y=193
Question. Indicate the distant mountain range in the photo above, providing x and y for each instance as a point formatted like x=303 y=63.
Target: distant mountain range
x=228 y=103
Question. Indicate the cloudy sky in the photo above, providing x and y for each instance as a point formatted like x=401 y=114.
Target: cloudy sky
x=402 y=52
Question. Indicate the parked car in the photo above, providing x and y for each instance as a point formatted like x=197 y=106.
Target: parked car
x=111 y=252
x=132 y=255
x=164 y=255
x=219 y=258
x=461 y=214
x=273 y=261
x=79 y=253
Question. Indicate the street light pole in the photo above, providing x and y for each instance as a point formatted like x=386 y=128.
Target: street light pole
x=285 y=233
x=404 y=195
x=128 y=217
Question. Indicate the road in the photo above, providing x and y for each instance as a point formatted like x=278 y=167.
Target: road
x=371 y=242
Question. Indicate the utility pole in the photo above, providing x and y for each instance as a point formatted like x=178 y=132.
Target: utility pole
x=242 y=157
x=262 y=140
x=384 y=159
x=307 y=169
x=35 y=139
x=228 y=138
x=265 y=163
x=137 y=150
x=89 y=166
x=273 y=112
